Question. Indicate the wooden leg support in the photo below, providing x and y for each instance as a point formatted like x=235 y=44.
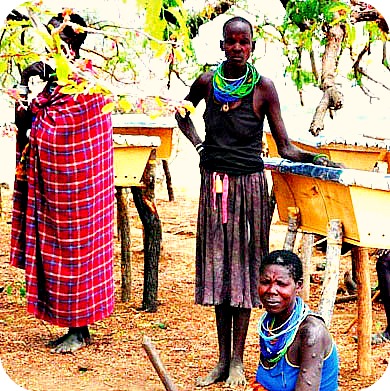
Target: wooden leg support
x=307 y=252
x=331 y=277
x=147 y=210
x=293 y=225
x=364 y=326
x=123 y=220
x=168 y=179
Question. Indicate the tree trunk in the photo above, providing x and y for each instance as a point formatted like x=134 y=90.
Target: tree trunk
x=332 y=97
x=144 y=202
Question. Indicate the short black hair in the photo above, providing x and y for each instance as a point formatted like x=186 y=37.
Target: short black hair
x=284 y=258
x=237 y=19
x=77 y=39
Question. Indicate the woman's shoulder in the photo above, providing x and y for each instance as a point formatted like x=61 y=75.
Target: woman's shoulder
x=313 y=330
x=205 y=78
x=312 y=337
x=201 y=87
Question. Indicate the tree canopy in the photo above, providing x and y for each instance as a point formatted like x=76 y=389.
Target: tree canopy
x=120 y=53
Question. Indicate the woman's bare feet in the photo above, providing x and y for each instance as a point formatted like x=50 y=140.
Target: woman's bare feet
x=236 y=375
x=219 y=373
x=75 y=339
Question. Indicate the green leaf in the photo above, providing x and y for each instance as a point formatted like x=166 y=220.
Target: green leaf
x=63 y=69
x=108 y=108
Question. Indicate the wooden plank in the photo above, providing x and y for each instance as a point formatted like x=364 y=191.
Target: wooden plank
x=352 y=156
x=363 y=212
x=372 y=215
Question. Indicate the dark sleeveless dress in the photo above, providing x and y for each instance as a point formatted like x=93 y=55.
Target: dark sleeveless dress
x=233 y=227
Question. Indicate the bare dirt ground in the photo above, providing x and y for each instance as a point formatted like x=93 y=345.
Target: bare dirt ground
x=183 y=333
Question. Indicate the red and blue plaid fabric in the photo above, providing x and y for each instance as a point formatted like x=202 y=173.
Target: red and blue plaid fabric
x=63 y=216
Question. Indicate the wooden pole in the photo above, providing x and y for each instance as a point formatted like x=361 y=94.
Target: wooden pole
x=168 y=180
x=307 y=252
x=293 y=225
x=364 y=326
x=158 y=365
x=272 y=204
x=123 y=220
x=331 y=275
x=1 y=205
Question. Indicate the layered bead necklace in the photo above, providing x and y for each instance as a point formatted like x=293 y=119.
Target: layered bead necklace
x=231 y=90
x=274 y=341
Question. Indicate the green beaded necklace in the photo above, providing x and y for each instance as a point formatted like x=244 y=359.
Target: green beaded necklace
x=231 y=90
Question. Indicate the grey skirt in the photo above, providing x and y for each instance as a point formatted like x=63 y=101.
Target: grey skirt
x=232 y=239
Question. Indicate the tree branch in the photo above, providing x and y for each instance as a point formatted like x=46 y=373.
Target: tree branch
x=385 y=61
x=363 y=12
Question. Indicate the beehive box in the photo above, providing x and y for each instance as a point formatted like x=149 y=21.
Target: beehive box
x=363 y=156
x=360 y=199
x=143 y=125
x=131 y=154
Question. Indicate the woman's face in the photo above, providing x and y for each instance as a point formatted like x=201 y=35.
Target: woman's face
x=237 y=44
x=278 y=290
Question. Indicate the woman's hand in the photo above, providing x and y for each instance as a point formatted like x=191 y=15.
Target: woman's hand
x=323 y=160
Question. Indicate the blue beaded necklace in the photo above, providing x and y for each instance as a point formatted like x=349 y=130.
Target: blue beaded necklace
x=274 y=342
x=231 y=90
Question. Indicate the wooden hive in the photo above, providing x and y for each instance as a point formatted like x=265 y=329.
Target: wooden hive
x=131 y=154
x=360 y=199
x=143 y=125
x=360 y=157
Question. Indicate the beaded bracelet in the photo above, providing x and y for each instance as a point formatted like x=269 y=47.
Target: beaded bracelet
x=319 y=156
x=22 y=89
x=199 y=147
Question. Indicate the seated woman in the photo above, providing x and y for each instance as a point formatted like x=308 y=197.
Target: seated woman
x=296 y=349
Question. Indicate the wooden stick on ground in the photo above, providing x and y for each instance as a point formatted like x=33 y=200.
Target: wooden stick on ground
x=158 y=365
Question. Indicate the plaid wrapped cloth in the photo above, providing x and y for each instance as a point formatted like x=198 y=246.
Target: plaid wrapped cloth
x=63 y=215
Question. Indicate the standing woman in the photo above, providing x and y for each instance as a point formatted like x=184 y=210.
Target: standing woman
x=63 y=211
x=297 y=352
x=233 y=216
